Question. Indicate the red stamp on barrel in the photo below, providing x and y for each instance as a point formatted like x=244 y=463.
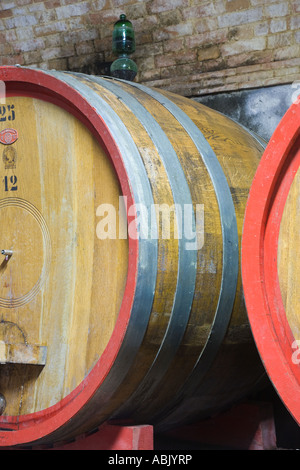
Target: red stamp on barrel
x=8 y=136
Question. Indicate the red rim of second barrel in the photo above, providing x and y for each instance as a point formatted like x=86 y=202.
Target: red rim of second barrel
x=32 y=427
x=266 y=312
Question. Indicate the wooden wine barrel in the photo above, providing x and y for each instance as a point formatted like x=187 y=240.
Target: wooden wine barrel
x=121 y=216
x=270 y=259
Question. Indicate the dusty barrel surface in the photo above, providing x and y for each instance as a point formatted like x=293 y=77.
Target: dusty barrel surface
x=121 y=214
x=270 y=259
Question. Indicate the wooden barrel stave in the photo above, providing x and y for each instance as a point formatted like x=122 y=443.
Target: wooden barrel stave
x=239 y=314
x=158 y=355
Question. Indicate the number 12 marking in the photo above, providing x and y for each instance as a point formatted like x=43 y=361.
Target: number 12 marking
x=13 y=180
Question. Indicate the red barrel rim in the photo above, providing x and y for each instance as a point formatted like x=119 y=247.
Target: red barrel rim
x=272 y=333
x=19 y=430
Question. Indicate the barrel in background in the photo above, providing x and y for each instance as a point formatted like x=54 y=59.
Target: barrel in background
x=270 y=259
x=141 y=326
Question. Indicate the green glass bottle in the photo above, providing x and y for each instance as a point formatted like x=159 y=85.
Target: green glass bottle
x=123 y=45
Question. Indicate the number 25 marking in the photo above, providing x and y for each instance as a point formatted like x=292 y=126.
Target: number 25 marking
x=7 y=112
x=13 y=180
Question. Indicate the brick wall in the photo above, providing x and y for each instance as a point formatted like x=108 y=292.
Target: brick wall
x=191 y=47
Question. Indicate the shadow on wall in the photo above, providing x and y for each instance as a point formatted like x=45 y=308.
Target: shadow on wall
x=260 y=110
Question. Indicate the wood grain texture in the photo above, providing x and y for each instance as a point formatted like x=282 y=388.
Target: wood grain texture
x=62 y=177
x=288 y=261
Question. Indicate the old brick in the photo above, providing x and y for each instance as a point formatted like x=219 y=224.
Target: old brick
x=6 y=13
x=144 y=37
x=56 y=52
x=245 y=69
x=279 y=40
x=261 y=29
x=58 y=64
x=157 y=6
x=277 y=26
x=147 y=69
x=240 y=33
x=293 y=62
x=202 y=10
x=173 y=45
x=262 y=74
x=295 y=6
x=170 y=17
x=70 y=2
x=167 y=60
x=137 y=10
x=76 y=9
x=20 y=21
x=103 y=44
x=167 y=72
x=188 y=70
x=23 y=33
x=6 y=5
x=32 y=57
x=226 y=72
x=12 y=60
x=95 y=18
x=100 y=4
x=53 y=40
x=54 y=27
x=146 y=75
x=23 y=2
x=147 y=63
x=209 y=38
x=233 y=5
x=29 y=45
x=287 y=52
x=120 y=3
x=80 y=35
x=20 y=11
x=86 y=47
x=6 y=49
x=182 y=29
x=77 y=63
x=149 y=50
x=240 y=17
x=52 y=3
x=206 y=24
x=36 y=7
x=75 y=23
x=162 y=35
x=208 y=53
x=277 y=9
x=295 y=22
x=10 y=35
x=45 y=16
x=105 y=17
x=282 y=71
x=249 y=58
x=255 y=44
x=149 y=23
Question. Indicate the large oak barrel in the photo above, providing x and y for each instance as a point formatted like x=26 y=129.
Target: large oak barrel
x=121 y=214
x=270 y=259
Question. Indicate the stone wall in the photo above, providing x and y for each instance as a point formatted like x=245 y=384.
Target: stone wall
x=191 y=47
